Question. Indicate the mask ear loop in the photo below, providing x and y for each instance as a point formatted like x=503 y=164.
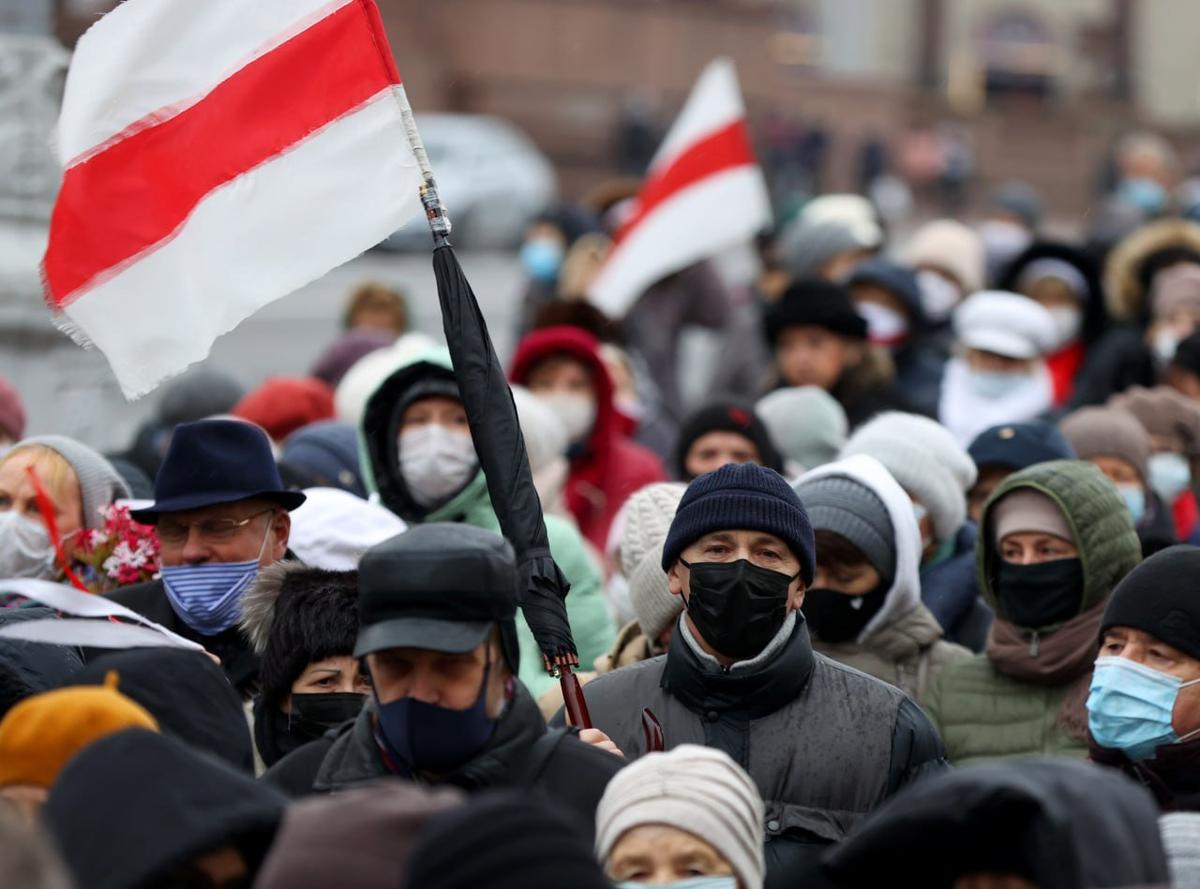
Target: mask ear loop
x=46 y=507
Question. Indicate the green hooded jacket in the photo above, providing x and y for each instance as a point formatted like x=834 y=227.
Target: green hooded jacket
x=984 y=714
x=587 y=610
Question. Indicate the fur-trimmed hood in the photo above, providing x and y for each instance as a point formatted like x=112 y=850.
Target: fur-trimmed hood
x=1133 y=262
x=260 y=601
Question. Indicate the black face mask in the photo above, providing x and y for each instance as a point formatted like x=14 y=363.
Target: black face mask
x=279 y=733
x=1036 y=596
x=737 y=607
x=838 y=617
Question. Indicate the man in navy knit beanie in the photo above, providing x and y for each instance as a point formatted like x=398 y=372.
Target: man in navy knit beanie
x=824 y=744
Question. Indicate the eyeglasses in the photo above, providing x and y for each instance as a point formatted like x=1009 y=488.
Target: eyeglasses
x=174 y=532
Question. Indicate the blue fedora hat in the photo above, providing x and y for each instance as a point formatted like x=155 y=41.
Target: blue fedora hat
x=216 y=461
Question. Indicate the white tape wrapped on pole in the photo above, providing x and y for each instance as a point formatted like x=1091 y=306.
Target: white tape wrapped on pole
x=88 y=633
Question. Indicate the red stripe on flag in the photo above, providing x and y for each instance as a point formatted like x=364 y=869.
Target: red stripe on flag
x=722 y=150
x=136 y=193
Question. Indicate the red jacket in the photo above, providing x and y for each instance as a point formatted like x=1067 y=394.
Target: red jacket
x=610 y=467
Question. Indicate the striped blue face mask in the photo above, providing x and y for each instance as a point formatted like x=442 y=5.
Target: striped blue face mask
x=208 y=597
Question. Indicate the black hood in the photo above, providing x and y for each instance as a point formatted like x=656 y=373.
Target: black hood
x=1056 y=823
x=137 y=804
x=29 y=668
x=187 y=693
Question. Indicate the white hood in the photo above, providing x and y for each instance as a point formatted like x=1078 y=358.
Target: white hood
x=905 y=592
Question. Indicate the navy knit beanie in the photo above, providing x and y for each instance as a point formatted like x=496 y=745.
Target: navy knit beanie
x=742 y=497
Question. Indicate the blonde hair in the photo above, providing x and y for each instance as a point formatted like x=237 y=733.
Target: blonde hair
x=53 y=471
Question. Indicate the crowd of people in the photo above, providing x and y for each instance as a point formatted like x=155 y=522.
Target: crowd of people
x=907 y=596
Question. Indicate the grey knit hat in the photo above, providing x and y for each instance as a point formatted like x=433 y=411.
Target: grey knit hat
x=1109 y=432
x=806 y=246
x=695 y=789
x=807 y=424
x=849 y=508
x=926 y=459
x=99 y=483
x=648 y=515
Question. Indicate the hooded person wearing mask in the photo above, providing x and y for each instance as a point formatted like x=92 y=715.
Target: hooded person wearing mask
x=139 y=809
x=741 y=674
x=1144 y=702
x=936 y=473
x=1055 y=540
x=437 y=633
x=1065 y=281
x=80 y=484
x=864 y=609
x=419 y=457
x=1011 y=825
x=723 y=432
x=1120 y=447
x=1002 y=450
x=303 y=622
x=999 y=374
x=562 y=366
x=948 y=258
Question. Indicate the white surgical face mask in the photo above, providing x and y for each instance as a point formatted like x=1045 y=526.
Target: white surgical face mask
x=436 y=463
x=25 y=547
x=939 y=295
x=1068 y=321
x=577 y=412
x=1165 y=343
x=885 y=327
x=1170 y=476
x=992 y=385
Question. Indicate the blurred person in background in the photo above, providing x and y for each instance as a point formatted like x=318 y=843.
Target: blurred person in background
x=818 y=339
x=12 y=415
x=1183 y=372
x=948 y=258
x=283 y=405
x=374 y=305
x=323 y=454
x=1065 y=281
x=999 y=374
x=345 y=351
x=806 y=423
x=1013 y=216
x=723 y=432
x=1000 y=451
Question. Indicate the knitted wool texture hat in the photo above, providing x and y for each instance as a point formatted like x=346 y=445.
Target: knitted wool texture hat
x=99 y=483
x=742 y=497
x=1109 y=432
x=42 y=733
x=696 y=789
x=648 y=515
x=923 y=456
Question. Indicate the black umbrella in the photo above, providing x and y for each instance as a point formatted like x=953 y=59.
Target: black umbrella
x=492 y=416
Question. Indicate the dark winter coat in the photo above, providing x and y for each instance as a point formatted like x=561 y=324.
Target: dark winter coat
x=825 y=743
x=29 y=668
x=520 y=754
x=950 y=591
x=1054 y=822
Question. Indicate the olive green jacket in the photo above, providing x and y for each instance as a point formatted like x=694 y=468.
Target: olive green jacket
x=982 y=713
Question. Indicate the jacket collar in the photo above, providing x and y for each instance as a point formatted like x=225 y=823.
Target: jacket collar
x=759 y=689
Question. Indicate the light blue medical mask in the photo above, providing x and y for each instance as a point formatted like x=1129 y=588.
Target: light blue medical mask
x=693 y=883
x=1170 y=475
x=208 y=597
x=541 y=258
x=1130 y=707
x=1135 y=501
x=992 y=385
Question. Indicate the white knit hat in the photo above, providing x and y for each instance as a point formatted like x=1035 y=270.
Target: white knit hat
x=926 y=459
x=647 y=519
x=950 y=247
x=806 y=423
x=1004 y=323
x=851 y=210
x=695 y=789
x=332 y=528
x=369 y=372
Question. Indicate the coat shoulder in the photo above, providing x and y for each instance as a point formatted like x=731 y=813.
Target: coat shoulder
x=296 y=773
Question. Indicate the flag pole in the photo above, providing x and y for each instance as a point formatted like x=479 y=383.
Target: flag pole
x=435 y=210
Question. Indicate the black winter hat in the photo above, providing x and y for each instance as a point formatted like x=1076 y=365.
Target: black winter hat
x=441 y=587
x=1018 y=445
x=726 y=416
x=1159 y=597
x=1187 y=354
x=504 y=841
x=816 y=303
x=132 y=808
x=742 y=496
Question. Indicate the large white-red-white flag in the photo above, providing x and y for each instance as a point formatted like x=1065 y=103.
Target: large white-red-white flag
x=219 y=154
x=704 y=192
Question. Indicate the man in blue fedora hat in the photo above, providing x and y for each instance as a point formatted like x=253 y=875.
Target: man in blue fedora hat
x=222 y=513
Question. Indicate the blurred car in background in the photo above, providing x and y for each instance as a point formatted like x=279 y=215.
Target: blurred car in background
x=491 y=177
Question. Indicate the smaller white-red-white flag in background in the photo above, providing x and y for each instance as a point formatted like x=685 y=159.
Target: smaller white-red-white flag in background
x=704 y=192
x=218 y=155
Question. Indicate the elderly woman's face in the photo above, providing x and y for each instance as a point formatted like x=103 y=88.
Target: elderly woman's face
x=657 y=855
x=18 y=493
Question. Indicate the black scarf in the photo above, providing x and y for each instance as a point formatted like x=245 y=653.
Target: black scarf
x=1173 y=775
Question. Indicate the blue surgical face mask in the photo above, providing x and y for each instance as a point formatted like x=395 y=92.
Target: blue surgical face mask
x=208 y=597
x=427 y=738
x=541 y=258
x=1130 y=707
x=692 y=883
x=992 y=385
x=1170 y=475
x=1135 y=500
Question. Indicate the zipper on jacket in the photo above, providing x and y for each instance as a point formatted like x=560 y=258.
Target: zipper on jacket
x=1033 y=644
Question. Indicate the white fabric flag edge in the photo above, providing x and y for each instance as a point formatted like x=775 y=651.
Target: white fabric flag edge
x=93 y=633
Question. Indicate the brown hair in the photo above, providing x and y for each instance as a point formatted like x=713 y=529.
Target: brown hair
x=835 y=551
x=377 y=296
